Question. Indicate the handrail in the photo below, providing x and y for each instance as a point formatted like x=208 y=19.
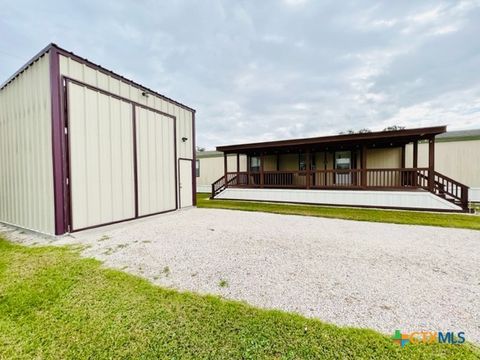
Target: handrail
x=452 y=188
x=218 y=186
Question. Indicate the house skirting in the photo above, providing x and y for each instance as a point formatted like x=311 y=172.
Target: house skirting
x=204 y=188
x=421 y=200
x=474 y=194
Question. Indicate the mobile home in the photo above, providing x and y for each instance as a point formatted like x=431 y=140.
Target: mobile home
x=395 y=169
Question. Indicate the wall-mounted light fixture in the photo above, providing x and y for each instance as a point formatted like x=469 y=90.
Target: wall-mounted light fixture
x=184 y=139
x=144 y=93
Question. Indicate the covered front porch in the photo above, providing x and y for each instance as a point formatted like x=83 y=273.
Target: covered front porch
x=373 y=161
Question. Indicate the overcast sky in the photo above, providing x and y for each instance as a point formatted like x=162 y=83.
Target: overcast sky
x=265 y=70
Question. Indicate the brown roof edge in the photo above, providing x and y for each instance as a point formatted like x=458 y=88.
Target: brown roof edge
x=94 y=65
x=419 y=133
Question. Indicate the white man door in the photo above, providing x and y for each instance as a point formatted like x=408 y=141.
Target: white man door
x=185 y=183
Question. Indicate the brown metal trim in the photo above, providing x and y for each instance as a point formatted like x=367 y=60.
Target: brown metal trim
x=135 y=157
x=175 y=161
x=122 y=221
x=68 y=200
x=194 y=162
x=58 y=146
x=389 y=136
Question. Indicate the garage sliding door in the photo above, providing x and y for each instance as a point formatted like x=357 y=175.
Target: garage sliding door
x=108 y=183
x=155 y=162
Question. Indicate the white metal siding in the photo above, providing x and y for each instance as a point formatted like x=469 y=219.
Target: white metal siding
x=101 y=158
x=26 y=181
x=211 y=168
x=184 y=128
x=459 y=160
x=155 y=162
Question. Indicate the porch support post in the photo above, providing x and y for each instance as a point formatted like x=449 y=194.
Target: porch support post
x=325 y=176
x=415 y=154
x=415 y=164
x=278 y=161
x=363 y=165
x=238 y=168
x=431 y=164
x=402 y=162
x=225 y=168
x=262 y=158
x=307 y=167
x=248 y=169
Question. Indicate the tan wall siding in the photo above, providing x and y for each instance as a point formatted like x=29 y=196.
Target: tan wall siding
x=459 y=160
x=288 y=162
x=270 y=163
x=184 y=118
x=320 y=161
x=26 y=181
x=384 y=158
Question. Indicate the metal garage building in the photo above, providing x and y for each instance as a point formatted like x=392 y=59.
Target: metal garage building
x=81 y=146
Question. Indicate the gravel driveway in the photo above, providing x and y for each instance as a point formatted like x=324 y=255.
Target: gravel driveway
x=380 y=276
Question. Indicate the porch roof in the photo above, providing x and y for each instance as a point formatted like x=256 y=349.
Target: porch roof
x=373 y=139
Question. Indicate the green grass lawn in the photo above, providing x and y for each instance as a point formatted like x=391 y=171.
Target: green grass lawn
x=465 y=221
x=55 y=304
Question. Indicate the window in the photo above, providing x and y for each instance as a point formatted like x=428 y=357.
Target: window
x=197 y=168
x=255 y=164
x=343 y=160
x=302 y=165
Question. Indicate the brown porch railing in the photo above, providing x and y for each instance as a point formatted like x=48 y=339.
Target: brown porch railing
x=321 y=179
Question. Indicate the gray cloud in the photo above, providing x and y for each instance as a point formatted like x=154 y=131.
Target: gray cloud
x=261 y=70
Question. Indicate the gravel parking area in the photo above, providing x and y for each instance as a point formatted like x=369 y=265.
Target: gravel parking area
x=375 y=275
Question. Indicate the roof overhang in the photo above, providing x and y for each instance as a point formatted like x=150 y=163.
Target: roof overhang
x=373 y=139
